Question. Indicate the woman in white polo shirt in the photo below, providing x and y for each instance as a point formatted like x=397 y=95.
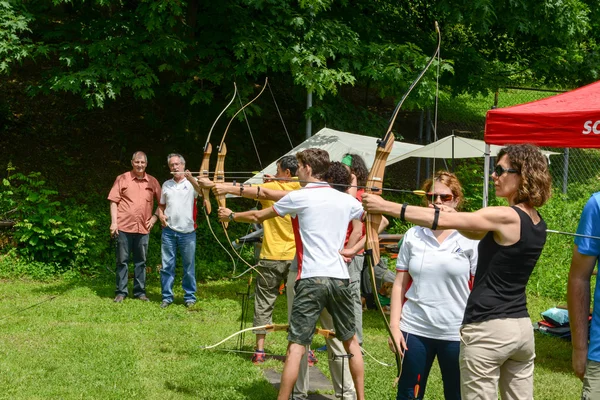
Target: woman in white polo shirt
x=434 y=274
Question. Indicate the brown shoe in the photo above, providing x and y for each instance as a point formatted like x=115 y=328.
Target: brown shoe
x=143 y=297
x=119 y=298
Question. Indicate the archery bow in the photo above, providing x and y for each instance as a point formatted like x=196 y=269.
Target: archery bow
x=269 y=328
x=372 y=221
x=219 y=177
x=204 y=172
x=207 y=152
x=219 y=174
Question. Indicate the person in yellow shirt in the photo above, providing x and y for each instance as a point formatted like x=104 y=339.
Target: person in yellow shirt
x=278 y=247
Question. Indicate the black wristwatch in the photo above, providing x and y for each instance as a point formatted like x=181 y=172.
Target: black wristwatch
x=231 y=216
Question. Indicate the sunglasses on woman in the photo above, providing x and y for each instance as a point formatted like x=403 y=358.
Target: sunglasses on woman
x=443 y=196
x=499 y=170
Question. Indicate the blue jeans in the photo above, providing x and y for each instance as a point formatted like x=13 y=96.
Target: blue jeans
x=137 y=244
x=417 y=364
x=186 y=244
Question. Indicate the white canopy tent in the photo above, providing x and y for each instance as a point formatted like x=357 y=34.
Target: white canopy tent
x=453 y=146
x=338 y=143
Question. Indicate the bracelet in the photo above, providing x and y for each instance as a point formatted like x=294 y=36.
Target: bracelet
x=403 y=211
x=436 y=217
x=241 y=189
x=257 y=192
x=232 y=217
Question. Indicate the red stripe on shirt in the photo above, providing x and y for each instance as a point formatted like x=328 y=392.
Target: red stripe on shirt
x=195 y=214
x=299 y=248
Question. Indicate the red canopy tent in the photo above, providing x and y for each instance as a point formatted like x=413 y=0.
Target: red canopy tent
x=569 y=119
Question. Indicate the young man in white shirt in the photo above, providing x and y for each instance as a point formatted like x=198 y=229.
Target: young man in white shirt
x=320 y=217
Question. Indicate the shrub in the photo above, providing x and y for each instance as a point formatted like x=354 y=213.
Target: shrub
x=47 y=231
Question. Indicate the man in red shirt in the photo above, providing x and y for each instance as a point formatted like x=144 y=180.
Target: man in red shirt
x=131 y=219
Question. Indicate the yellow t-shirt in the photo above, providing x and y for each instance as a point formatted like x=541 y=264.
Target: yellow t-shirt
x=278 y=236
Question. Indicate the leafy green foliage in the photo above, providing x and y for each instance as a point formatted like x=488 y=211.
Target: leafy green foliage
x=470 y=174
x=14 y=24
x=46 y=231
x=561 y=213
x=106 y=49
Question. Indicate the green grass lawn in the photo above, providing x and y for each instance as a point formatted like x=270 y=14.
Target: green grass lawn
x=82 y=345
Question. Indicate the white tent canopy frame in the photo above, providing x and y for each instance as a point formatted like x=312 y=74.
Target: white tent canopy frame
x=338 y=143
x=451 y=147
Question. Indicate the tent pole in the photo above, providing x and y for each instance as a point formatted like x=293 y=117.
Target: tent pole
x=452 y=153
x=308 y=120
x=418 y=184
x=428 y=141
x=565 y=170
x=486 y=175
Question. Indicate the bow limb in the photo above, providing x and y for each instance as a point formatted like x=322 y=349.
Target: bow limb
x=204 y=167
x=240 y=110
x=219 y=176
x=375 y=185
x=372 y=222
x=269 y=329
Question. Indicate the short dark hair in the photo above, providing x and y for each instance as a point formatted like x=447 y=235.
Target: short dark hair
x=317 y=159
x=288 y=162
x=338 y=176
x=359 y=168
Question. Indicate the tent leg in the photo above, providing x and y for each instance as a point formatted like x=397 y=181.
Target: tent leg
x=421 y=122
x=486 y=175
x=565 y=171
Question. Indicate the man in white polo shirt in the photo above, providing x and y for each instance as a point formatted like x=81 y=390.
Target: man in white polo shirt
x=320 y=217
x=177 y=214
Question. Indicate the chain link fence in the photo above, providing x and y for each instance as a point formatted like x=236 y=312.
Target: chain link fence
x=573 y=166
x=465 y=117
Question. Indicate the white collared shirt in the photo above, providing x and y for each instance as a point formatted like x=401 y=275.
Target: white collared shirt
x=320 y=217
x=180 y=201
x=441 y=274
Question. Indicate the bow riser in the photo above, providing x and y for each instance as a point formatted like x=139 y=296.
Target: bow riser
x=204 y=167
x=219 y=176
x=372 y=223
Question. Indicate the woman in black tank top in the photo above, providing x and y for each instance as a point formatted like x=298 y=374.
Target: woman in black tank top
x=497 y=345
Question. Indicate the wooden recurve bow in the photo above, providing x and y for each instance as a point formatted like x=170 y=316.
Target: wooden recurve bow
x=374 y=186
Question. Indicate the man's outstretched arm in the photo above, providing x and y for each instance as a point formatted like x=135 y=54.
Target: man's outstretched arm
x=251 y=216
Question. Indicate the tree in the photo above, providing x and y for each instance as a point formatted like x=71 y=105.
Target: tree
x=101 y=49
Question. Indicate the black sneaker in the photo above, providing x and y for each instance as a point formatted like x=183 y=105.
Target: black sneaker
x=165 y=304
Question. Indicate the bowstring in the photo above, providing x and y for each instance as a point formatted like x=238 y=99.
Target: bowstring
x=435 y=125
x=235 y=91
x=280 y=117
